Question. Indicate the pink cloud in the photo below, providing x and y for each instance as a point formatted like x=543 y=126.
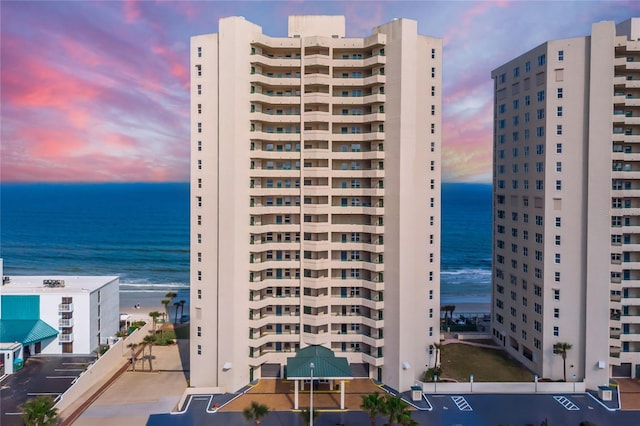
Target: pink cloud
x=131 y=11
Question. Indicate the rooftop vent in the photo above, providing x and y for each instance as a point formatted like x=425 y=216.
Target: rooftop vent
x=53 y=283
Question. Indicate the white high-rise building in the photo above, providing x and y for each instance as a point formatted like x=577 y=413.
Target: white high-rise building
x=315 y=212
x=566 y=265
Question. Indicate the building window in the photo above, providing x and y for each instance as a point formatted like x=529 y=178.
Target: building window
x=557 y=257
x=556 y=330
x=199 y=349
x=559 y=93
x=199 y=89
x=527 y=66
x=559 y=111
x=556 y=312
x=558 y=148
x=556 y=294
x=541 y=96
x=199 y=331
x=560 y=55
x=199 y=294
x=558 y=222
x=433 y=72
x=433 y=53
x=199 y=52
x=199 y=70
x=542 y=59
x=559 y=129
x=199 y=145
x=433 y=90
x=516 y=72
x=199 y=275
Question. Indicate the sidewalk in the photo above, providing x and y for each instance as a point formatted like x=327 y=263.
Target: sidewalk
x=135 y=395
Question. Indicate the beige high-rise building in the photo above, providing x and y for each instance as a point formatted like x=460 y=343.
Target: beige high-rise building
x=566 y=265
x=315 y=212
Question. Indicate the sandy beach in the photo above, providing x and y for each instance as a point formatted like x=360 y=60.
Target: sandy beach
x=139 y=304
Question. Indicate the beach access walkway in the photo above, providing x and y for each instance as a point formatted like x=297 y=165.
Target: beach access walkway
x=133 y=396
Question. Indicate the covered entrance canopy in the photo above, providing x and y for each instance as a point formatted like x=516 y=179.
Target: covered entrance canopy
x=326 y=366
x=26 y=332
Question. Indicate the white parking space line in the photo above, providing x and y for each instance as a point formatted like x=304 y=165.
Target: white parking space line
x=566 y=403
x=461 y=403
x=61 y=377
x=43 y=393
x=68 y=369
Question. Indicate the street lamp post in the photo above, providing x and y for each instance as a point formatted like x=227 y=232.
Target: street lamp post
x=311 y=367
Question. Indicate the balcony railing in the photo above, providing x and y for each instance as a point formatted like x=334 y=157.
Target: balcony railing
x=65 y=322
x=65 y=307
x=65 y=338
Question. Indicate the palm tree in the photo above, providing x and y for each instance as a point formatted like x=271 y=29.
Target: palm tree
x=407 y=420
x=165 y=302
x=175 y=318
x=170 y=295
x=182 y=302
x=438 y=347
x=154 y=316
x=395 y=408
x=255 y=412
x=39 y=411
x=306 y=416
x=149 y=341
x=562 y=348
x=133 y=347
x=373 y=405
x=143 y=345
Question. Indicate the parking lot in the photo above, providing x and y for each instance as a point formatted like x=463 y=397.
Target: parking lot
x=41 y=375
x=467 y=409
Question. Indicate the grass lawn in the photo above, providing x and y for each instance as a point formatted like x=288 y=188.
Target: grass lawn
x=486 y=365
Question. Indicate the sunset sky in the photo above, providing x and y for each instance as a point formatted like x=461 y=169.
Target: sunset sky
x=98 y=91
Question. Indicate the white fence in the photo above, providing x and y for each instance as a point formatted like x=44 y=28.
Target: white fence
x=105 y=367
x=503 y=387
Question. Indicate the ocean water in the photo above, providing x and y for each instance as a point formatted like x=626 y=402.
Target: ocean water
x=141 y=233
x=465 y=268
x=137 y=231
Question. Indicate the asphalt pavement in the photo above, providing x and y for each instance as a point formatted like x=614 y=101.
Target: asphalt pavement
x=459 y=410
x=41 y=375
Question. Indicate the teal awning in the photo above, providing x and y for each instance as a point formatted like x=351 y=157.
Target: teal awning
x=25 y=331
x=326 y=365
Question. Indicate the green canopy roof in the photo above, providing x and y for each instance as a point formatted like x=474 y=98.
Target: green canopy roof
x=25 y=331
x=326 y=365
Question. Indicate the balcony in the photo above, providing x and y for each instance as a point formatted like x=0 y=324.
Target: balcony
x=65 y=307
x=65 y=338
x=373 y=360
x=65 y=322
